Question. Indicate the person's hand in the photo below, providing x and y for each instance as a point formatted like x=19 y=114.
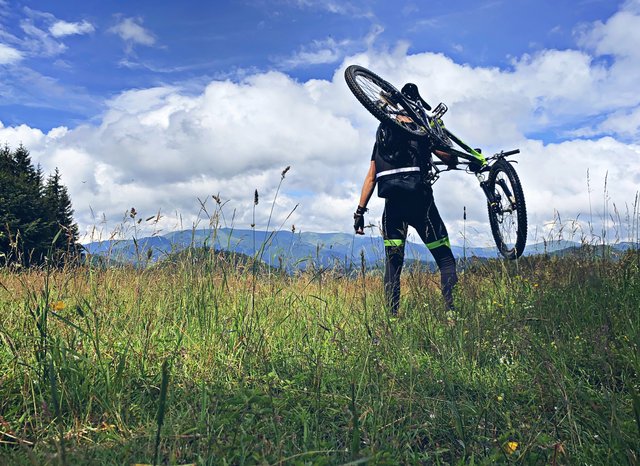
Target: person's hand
x=358 y=220
x=450 y=159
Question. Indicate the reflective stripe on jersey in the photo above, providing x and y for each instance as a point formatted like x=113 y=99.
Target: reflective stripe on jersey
x=441 y=242
x=397 y=170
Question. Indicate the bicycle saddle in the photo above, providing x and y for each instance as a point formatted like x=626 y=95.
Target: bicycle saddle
x=410 y=91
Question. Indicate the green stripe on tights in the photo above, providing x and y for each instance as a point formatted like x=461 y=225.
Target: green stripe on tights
x=393 y=242
x=441 y=242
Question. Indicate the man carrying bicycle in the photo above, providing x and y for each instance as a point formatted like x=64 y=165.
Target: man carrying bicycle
x=398 y=167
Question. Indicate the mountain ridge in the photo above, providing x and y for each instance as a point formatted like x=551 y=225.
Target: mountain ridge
x=296 y=249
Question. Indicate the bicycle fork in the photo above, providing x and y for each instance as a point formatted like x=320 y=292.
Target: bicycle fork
x=494 y=198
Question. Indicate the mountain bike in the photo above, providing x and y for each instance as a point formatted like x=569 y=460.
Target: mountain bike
x=498 y=179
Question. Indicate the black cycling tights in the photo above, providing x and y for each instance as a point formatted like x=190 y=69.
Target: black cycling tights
x=421 y=213
x=393 y=266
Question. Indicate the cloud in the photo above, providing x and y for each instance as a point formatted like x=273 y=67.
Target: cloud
x=327 y=51
x=21 y=85
x=623 y=124
x=22 y=134
x=317 y=53
x=617 y=36
x=162 y=149
x=131 y=31
x=9 y=55
x=62 y=28
x=346 y=8
x=38 y=41
x=35 y=41
x=42 y=32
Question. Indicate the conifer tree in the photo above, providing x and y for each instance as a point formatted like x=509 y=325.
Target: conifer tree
x=7 y=194
x=60 y=215
x=32 y=213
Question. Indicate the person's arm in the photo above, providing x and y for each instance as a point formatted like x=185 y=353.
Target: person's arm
x=368 y=185
x=367 y=190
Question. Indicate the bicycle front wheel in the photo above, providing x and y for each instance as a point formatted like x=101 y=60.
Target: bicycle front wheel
x=507 y=210
x=382 y=100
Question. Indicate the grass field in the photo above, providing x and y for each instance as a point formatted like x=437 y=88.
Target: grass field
x=207 y=362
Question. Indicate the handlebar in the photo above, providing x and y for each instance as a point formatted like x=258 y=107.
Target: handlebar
x=509 y=152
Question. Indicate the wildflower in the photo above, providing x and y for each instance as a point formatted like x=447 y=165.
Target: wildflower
x=104 y=426
x=500 y=397
x=511 y=447
x=57 y=305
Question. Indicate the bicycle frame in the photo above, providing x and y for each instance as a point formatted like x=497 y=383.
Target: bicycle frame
x=467 y=157
x=471 y=158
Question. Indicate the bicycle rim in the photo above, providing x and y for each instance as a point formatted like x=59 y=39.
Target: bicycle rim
x=382 y=100
x=507 y=214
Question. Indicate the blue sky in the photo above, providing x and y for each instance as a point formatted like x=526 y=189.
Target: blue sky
x=117 y=46
x=157 y=104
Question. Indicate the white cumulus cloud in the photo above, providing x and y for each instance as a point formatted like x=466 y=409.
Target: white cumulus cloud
x=63 y=28
x=9 y=55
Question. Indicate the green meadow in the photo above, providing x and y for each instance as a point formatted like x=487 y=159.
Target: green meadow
x=207 y=360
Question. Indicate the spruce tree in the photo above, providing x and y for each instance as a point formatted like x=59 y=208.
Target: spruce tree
x=32 y=213
x=7 y=192
x=63 y=230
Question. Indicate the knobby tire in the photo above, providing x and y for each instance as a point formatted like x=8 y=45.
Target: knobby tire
x=508 y=218
x=364 y=83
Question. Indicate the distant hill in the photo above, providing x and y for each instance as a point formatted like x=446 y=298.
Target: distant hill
x=289 y=250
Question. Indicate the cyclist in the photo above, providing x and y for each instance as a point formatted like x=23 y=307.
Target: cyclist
x=398 y=165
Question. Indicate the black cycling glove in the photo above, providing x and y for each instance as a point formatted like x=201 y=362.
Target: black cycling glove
x=358 y=220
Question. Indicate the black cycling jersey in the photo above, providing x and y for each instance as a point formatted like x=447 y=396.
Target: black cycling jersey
x=400 y=164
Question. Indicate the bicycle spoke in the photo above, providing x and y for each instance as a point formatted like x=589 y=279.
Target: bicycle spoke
x=384 y=101
x=373 y=92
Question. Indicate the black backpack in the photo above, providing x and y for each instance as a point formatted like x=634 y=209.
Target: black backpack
x=400 y=163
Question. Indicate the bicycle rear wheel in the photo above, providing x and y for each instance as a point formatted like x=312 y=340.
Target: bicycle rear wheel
x=507 y=212
x=383 y=100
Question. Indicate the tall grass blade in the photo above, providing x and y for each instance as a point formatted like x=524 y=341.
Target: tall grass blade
x=162 y=404
x=355 y=432
x=55 y=399
x=636 y=408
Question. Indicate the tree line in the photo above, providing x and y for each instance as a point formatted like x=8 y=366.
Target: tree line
x=36 y=215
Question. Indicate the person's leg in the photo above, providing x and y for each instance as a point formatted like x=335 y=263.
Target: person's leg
x=394 y=232
x=448 y=276
x=433 y=233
